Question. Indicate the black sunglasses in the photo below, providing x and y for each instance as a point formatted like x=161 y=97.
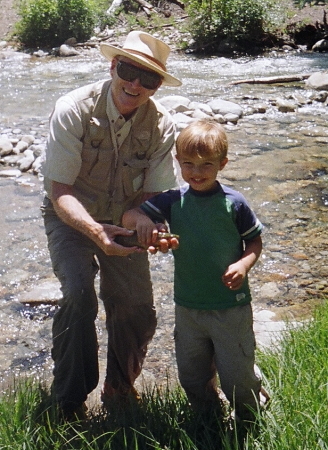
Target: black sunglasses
x=128 y=72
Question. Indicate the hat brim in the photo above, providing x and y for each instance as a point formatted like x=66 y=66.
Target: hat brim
x=109 y=52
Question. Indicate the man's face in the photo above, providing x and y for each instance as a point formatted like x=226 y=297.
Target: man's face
x=128 y=95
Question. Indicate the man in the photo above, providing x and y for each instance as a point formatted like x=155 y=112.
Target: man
x=109 y=149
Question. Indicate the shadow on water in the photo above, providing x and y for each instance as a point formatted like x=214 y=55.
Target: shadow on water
x=277 y=160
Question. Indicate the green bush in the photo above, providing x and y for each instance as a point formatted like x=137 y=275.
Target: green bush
x=39 y=22
x=51 y=22
x=237 y=21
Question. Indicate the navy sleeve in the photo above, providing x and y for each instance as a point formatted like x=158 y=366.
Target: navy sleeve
x=158 y=208
x=247 y=223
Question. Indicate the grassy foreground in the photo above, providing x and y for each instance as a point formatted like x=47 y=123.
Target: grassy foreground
x=296 y=375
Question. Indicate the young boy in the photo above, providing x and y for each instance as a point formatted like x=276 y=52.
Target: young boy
x=219 y=243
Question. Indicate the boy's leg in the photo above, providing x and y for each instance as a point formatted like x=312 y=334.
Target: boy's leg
x=75 y=347
x=126 y=291
x=234 y=341
x=194 y=353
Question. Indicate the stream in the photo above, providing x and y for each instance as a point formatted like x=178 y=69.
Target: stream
x=277 y=160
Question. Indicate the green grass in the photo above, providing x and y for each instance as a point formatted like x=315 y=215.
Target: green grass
x=296 y=375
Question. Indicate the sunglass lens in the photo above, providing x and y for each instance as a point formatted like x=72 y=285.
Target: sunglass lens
x=128 y=72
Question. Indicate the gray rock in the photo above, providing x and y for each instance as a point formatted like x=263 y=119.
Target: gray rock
x=230 y=117
x=198 y=114
x=202 y=106
x=66 y=50
x=26 y=162
x=36 y=166
x=44 y=293
x=182 y=118
x=219 y=118
x=320 y=96
x=29 y=138
x=6 y=146
x=175 y=103
x=260 y=108
x=223 y=107
x=269 y=290
x=320 y=46
x=285 y=106
x=10 y=173
x=21 y=146
x=318 y=81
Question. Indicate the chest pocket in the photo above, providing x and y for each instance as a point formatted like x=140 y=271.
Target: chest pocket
x=97 y=151
x=134 y=170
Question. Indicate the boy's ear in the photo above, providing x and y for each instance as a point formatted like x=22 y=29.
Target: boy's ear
x=223 y=163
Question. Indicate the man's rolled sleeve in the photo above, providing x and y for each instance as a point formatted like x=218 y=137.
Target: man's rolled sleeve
x=63 y=152
x=161 y=174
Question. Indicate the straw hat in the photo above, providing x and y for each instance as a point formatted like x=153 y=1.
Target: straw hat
x=146 y=50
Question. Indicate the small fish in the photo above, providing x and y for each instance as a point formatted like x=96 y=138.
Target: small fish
x=132 y=241
x=162 y=235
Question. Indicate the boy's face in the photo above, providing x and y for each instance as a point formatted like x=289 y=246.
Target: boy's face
x=200 y=173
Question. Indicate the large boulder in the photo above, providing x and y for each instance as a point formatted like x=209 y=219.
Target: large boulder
x=318 y=81
x=225 y=107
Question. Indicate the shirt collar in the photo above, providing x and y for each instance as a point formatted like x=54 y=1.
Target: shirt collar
x=112 y=112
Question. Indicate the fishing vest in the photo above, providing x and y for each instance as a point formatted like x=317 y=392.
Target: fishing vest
x=110 y=182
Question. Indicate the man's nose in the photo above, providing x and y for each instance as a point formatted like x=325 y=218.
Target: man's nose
x=136 y=83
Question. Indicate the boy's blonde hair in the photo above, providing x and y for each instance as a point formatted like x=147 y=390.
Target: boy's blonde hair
x=204 y=138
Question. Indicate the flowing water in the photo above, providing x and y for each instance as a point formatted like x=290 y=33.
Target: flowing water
x=278 y=160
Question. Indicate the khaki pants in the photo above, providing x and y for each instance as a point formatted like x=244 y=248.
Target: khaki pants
x=211 y=343
x=126 y=291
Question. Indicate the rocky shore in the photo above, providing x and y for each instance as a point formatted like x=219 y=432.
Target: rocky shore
x=20 y=152
x=304 y=26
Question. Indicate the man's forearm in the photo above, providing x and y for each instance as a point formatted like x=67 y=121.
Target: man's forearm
x=72 y=212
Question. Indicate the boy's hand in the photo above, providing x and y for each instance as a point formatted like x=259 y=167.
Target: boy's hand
x=147 y=231
x=235 y=275
x=151 y=236
x=164 y=242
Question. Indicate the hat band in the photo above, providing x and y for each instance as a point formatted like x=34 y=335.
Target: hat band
x=154 y=60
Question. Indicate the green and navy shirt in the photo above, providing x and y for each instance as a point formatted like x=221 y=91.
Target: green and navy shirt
x=212 y=227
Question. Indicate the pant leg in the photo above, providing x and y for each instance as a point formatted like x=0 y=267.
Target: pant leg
x=126 y=291
x=195 y=359
x=75 y=346
x=234 y=342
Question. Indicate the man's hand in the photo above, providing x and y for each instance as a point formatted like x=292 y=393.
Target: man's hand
x=106 y=240
x=73 y=213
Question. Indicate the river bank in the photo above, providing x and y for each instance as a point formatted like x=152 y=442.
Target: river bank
x=303 y=26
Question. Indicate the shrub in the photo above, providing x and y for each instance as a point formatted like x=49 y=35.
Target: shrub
x=51 y=22
x=238 y=21
x=76 y=19
x=38 y=23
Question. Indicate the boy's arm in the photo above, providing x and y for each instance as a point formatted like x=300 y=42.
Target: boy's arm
x=147 y=230
x=235 y=274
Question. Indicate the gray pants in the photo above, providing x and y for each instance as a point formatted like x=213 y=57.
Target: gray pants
x=125 y=288
x=220 y=342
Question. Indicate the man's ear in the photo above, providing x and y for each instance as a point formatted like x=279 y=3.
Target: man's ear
x=113 y=65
